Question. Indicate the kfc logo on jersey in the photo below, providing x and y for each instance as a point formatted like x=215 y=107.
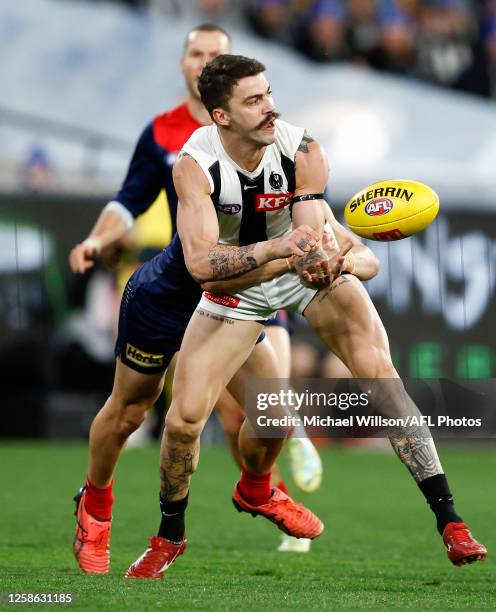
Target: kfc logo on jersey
x=378 y=207
x=229 y=209
x=266 y=202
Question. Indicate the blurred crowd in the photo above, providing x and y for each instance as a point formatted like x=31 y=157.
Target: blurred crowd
x=451 y=43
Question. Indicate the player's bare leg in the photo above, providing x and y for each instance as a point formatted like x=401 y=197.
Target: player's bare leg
x=345 y=318
x=306 y=466
x=132 y=395
x=213 y=349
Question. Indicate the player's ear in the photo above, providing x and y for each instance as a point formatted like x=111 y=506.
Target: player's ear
x=221 y=117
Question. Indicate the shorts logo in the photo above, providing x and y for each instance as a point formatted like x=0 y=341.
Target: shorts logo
x=268 y=201
x=148 y=360
x=223 y=299
x=275 y=180
x=378 y=207
x=229 y=209
x=394 y=234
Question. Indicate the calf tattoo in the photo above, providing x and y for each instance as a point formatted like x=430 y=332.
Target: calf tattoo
x=175 y=471
x=415 y=447
x=230 y=261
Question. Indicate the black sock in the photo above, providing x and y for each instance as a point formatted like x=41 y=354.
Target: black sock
x=438 y=496
x=172 y=523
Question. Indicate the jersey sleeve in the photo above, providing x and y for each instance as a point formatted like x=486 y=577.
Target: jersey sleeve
x=144 y=179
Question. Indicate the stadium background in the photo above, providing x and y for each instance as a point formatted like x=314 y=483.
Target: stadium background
x=392 y=88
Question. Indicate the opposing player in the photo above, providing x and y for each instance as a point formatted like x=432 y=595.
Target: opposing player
x=236 y=180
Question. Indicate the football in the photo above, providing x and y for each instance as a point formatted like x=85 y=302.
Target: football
x=391 y=210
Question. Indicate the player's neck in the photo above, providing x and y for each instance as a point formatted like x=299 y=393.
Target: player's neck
x=247 y=155
x=197 y=110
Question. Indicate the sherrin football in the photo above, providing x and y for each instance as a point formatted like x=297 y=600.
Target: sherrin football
x=391 y=210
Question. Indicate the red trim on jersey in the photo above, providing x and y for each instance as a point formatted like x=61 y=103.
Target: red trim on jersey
x=172 y=129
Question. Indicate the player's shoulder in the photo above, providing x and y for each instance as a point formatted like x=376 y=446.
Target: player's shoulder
x=202 y=143
x=172 y=128
x=288 y=137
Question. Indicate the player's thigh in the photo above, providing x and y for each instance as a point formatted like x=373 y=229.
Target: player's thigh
x=346 y=320
x=280 y=340
x=213 y=349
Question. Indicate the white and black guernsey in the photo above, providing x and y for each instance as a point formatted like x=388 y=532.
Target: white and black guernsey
x=251 y=206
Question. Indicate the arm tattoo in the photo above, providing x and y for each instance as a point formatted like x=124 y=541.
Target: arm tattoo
x=303 y=148
x=307 y=262
x=416 y=450
x=175 y=471
x=230 y=261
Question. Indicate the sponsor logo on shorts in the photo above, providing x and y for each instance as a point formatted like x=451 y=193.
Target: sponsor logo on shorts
x=229 y=209
x=148 y=360
x=266 y=202
x=223 y=299
x=394 y=234
x=378 y=207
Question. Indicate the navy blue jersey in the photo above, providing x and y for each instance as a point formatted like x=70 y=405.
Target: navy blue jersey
x=150 y=169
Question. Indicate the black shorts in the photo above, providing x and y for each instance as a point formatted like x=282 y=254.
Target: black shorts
x=152 y=324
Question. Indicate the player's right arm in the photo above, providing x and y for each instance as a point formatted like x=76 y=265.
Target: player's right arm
x=140 y=189
x=198 y=228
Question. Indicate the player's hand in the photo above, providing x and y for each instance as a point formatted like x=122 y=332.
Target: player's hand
x=301 y=240
x=321 y=268
x=83 y=255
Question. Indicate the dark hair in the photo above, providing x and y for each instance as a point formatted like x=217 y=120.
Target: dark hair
x=221 y=75
x=205 y=27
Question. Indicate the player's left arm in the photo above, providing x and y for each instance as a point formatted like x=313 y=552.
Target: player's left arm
x=359 y=260
x=312 y=172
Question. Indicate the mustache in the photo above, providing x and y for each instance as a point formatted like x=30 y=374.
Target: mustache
x=265 y=122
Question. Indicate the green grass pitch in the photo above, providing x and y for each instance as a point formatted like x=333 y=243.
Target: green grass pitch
x=380 y=549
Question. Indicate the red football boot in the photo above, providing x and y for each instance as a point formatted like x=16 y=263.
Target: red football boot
x=292 y=518
x=461 y=546
x=91 y=545
x=156 y=559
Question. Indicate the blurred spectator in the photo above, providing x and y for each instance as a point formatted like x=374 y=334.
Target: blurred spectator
x=271 y=18
x=436 y=40
x=37 y=170
x=448 y=48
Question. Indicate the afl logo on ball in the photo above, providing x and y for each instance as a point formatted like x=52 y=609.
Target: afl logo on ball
x=378 y=207
x=275 y=180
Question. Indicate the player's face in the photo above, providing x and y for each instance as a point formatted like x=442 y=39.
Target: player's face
x=251 y=110
x=201 y=48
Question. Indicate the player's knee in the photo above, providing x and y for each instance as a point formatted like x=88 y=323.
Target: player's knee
x=375 y=362
x=183 y=430
x=130 y=422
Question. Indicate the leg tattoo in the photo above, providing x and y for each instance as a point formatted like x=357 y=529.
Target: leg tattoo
x=416 y=450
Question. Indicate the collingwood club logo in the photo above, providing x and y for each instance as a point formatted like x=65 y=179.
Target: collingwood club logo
x=275 y=180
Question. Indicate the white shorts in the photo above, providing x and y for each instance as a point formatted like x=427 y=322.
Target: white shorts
x=261 y=302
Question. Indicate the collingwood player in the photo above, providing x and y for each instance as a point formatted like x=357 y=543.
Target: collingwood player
x=242 y=183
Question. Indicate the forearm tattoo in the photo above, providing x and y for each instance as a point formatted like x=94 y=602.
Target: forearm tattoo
x=230 y=261
x=416 y=450
x=176 y=469
x=303 y=148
